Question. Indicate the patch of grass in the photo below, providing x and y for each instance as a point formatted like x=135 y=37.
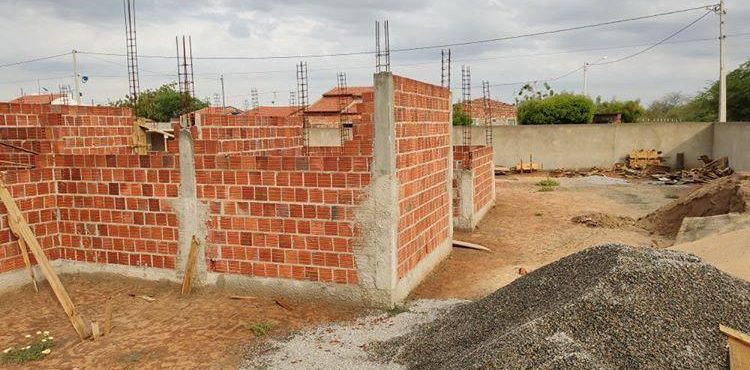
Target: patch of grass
x=671 y=196
x=546 y=188
x=548 y=182
x=38 y=347
x=397 y=309
x=261 y=329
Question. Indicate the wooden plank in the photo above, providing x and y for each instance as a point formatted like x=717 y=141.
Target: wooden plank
x=241 y=297
x=739 y=348
x=23 y=230
x=24 y=252
x=187 y=281
x=463 y=244
x=107 y=327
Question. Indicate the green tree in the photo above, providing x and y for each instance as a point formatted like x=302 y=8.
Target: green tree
x=705 y=106
x=671 y=106
x=631 y=110
x=561 y=108
x=461 y=118
x=162 y=104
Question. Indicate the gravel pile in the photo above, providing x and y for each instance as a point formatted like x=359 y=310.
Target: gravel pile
x=608 y=307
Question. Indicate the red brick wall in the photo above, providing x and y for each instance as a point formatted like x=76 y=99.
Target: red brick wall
x=285 y=215
x=422 y=113
x=34 y=188
x=478 y=160
x=249 y=134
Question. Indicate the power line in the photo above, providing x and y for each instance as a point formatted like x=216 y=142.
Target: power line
x=34 y=60
x=656 y=44
x=417 y=48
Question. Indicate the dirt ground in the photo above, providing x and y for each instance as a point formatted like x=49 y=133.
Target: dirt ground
x=527 y=229
x=173 y=332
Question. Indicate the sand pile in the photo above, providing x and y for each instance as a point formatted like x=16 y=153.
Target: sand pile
x=725 y=195
x=608 y=307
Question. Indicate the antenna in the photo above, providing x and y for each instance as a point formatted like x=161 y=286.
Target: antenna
x=254 y=98
x=486 y=99
x=343 y=105
x=382 y=52
x=445 y=69
x=132 y=49
x=302 y=95
x=292 y=98
x=185 y=69
x=466 y=102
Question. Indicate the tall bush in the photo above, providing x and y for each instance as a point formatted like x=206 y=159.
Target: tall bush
x=557 y=109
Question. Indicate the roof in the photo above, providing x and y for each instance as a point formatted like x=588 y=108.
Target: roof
x=37 y=99
x=498 y=109
x=218 y=110
x=273 y=111
x=356 y=91
x=333 y=100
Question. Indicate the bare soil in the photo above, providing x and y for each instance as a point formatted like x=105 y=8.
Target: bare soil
x=527 y=229
x=205 y=330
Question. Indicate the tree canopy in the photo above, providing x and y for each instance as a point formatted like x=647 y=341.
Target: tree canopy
x=556 y=109
x=631 y=110
x=705 y=106
x=461 y=118
x=162 y=104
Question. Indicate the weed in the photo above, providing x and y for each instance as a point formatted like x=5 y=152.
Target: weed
x=261 y=329
x=548 y=182
x=397 y=309
x=35 y=350
x=546 y=188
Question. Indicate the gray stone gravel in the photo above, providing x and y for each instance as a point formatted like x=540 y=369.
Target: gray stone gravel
x=593 y=180
x=343 y=346
x=608 y=307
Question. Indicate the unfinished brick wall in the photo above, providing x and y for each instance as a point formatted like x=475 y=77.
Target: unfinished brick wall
x=34 y=188
x=285 y=215
x=475 y=166
x=246 y=133
x=423 y=147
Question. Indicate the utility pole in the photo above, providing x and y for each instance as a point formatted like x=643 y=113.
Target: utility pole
x=722 y=62
x=223 y=96
x=76 y=80
x=585 y=79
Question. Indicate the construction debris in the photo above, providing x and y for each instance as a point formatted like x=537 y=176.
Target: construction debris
x=640 y=159
x=608 y=307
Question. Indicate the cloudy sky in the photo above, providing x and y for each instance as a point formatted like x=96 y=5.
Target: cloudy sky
x=258 y=28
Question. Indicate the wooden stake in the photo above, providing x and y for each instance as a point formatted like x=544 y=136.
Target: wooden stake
x=459 y=243
x=22 y=229
x=107 y=317
x=187 y=282
x=24 y=252
x=95 y=330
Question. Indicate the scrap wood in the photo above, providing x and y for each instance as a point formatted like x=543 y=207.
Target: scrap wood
x=739 y=348
x=241 y=297
x=143 y=297
x=187 y=281
x=21 y=228
x=463 y=244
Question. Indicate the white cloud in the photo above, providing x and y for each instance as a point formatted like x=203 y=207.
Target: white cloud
x=265 y=27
